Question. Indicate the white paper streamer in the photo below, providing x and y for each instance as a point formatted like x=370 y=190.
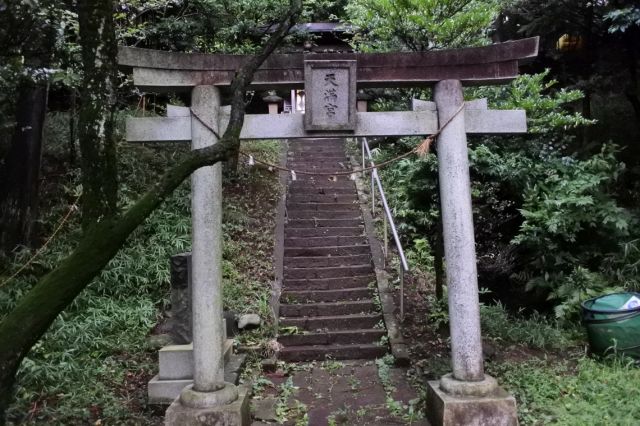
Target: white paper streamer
x=251 y=161
x=293 y=175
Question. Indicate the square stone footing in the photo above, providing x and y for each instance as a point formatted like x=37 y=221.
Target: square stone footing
x=496 y=409
x=235 y=414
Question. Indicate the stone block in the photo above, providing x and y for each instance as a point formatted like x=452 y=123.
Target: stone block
x=176 y=361
x=164 y=391
x=495 y=409
x=234 y=414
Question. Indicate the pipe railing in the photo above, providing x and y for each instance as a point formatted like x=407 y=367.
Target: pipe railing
x=387 y=219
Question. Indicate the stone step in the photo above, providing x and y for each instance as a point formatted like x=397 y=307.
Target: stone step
x=325 y=186
x=326 y=261
x=328 y=272
x=310 y=296
x=343 y=307
x=358 y=281
x=314 y=191
x=326 y=251
x=311 y=214
x=323 y=223
x=333 y=322
x=327 y=241
x=322 y=206
x=313 y=150
x=316 y=142
x=323 y=352
x=325 y=177
x=320 y=171
x=332 y=163
x=323 y=198
x=372 y=335
x=324 y=232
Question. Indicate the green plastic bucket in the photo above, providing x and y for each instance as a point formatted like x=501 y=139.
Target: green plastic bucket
x=610 y=327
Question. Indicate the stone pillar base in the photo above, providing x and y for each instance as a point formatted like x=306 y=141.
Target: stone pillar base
x=497 y=408
x=236 y=413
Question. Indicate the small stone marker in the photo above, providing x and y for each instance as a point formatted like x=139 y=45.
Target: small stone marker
x=330 y=89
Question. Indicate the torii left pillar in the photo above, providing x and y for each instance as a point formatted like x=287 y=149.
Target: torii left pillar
x=210 y=400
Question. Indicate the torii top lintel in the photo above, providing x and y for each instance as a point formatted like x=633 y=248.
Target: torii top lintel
x=174 y=71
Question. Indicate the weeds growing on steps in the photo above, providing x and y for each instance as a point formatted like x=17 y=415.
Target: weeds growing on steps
x=94 y=362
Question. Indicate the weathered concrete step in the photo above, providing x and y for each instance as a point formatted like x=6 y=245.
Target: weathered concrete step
x=326 y=261
x=343 y=307
x=334 y=214
x=333 y=322
x=327 y=241
x=322 y=206
x=309 y=296
x=322 y=352
x=372 y=335
x=320 y=190
x=326 y=251
x=326 y=170
x=333 y=163
x=324 y=232
x=324 y=177
x=317 y=142
x=328 y=271
x=309 y=154
x=326 y=183
x=322 y=198
x=359 y=281
x=316 y=148
x=323 y=223
x=312 y=156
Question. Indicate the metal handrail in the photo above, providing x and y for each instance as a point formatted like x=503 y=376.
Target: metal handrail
x=388 y=218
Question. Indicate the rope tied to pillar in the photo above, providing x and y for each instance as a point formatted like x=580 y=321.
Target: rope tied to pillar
x=421 y=150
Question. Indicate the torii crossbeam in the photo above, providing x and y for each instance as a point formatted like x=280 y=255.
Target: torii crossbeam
x=332 y=113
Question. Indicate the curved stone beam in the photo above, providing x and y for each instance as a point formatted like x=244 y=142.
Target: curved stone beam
x=492 y=64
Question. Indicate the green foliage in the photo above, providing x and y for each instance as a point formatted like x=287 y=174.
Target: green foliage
x=420 y=25
x=537 y=95
x=623 y=19
x=535 y=330
x=547 y=213
x=571 y=221
x=94 y=361
x=572 y=393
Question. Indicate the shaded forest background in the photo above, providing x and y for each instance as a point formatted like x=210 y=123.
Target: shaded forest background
x=556 y=211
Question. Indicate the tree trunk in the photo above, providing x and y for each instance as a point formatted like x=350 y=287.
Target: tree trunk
x=19 y=178
x=98 y=160
x=105 y=233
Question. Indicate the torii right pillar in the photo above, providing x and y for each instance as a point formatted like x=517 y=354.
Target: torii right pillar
x=467 y=396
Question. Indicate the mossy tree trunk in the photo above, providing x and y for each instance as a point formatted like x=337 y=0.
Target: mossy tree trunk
x=96 y=124
x=105 y=230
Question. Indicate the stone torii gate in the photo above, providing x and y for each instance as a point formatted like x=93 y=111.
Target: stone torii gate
x=467 y=395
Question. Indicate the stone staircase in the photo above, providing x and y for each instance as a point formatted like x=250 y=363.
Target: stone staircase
x=329 y=284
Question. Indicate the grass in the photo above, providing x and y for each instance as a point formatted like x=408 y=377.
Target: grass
x=573 y=391
x=535 y=330
x=94 y=362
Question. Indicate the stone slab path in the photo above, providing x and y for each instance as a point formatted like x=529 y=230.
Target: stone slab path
x=334 y=366
x=354 y=392
x=328 y=300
